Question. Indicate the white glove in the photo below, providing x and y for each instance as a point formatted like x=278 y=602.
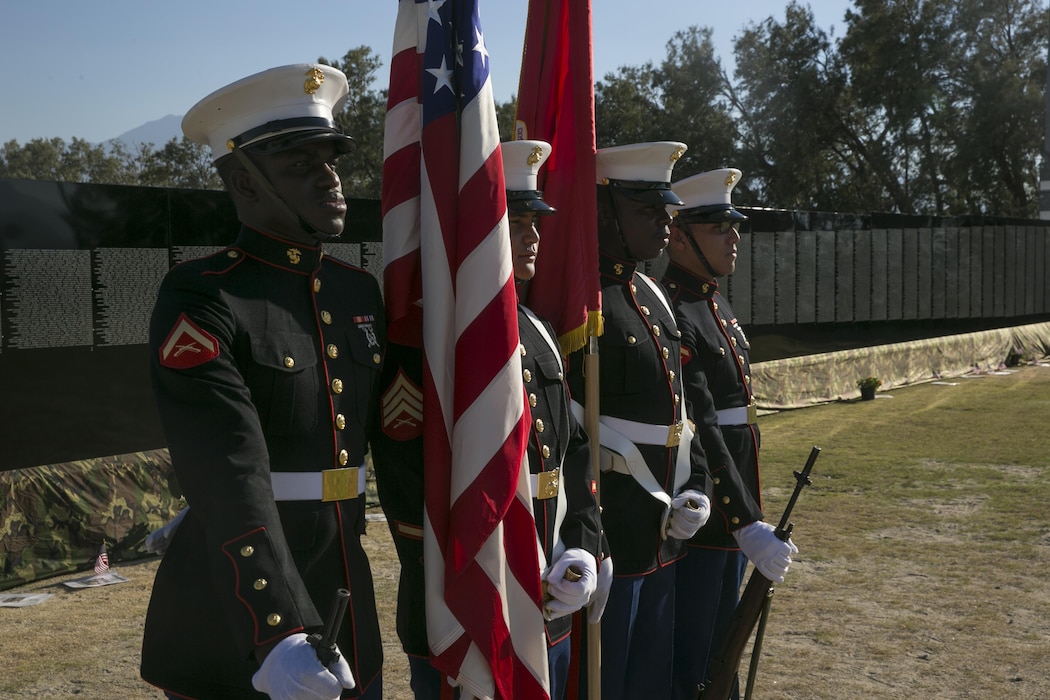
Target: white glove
x=770 y=554
x=684 y=520
x=292 y=671
x=596 y=606
x=569 y=596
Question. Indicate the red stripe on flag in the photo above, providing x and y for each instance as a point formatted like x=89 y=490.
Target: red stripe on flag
x=476 y=512
x=398 y=190
x=404 y=77
x=486 y=185
x=475 y=363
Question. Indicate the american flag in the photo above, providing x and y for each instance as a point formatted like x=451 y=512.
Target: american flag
x=102 y=560
x=446 y=241
x=556 y=104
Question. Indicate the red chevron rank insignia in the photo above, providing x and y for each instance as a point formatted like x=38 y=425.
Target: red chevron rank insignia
x=686 y=354
x=402 y=406
x=188 y=345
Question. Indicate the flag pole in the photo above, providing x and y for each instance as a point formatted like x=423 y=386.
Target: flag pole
x=592 y=426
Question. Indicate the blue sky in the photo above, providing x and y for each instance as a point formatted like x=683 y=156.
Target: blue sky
x=98 y=69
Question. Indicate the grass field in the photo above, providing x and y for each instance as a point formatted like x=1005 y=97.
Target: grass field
x=925 y=552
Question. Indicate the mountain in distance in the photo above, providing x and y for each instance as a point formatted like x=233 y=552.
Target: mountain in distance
x=158 y=132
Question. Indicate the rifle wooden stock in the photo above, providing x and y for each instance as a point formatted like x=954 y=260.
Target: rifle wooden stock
x=723 y=666
x=722 y=669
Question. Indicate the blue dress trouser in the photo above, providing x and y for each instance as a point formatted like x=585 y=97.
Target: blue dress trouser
x=425 y=680
x=637 y=636
x=707 y=589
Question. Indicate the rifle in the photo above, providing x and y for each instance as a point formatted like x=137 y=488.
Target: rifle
x=324 y=643
x=723 y=667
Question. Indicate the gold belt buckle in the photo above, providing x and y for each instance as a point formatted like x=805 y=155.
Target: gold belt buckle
x=339 y=484
x=674 y=434
x=752 y=413
x=547 y=484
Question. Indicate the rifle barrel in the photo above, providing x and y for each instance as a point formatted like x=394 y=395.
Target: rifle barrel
x=326 y=646
x=801 y=481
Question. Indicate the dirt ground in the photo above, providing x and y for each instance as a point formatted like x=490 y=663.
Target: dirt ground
x=922 y=578
x=84 y=643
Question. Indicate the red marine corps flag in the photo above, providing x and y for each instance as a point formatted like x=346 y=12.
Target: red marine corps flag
x=446 y=243
x=556 y=105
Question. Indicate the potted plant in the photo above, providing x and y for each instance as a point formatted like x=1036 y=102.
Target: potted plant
x=868 y=385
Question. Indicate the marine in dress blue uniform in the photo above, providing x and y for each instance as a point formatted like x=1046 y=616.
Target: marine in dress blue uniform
x=564 y=506
x=717 y=373
x=265 y=364
x=566 y=513
x=654 y=478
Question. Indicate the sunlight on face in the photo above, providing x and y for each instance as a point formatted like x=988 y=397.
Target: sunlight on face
x=524 y=243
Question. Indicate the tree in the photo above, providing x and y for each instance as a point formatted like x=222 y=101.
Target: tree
x=627 y=107
x=999 y=57
x=902 y=119
x=179 y=163
x=53 y=159
x=695 y=107
x=505 y=113
x=788 y=97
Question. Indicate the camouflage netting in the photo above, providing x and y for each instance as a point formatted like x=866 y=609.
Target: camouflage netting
x=812 y=379
x=54 y=518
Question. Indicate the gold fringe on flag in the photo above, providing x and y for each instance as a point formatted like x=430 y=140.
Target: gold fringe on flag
x=576 y=338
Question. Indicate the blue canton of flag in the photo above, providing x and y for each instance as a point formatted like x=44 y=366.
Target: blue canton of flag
x=455 y=61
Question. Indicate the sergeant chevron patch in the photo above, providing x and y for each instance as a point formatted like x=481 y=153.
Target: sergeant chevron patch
x=402 y=407
x=188 y=345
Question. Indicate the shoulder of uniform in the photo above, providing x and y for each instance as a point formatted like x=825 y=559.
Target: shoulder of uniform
x=342 y=264
x=217 y=263
x=350 y=273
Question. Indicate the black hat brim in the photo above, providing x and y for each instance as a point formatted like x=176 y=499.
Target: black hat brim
x=710 y=214
x=292 y=139
x=535 y=206
x=652 y=193
x=527 y=202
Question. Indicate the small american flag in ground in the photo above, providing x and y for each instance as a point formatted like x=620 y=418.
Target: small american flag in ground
x=447 y=252
x=102 y=560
